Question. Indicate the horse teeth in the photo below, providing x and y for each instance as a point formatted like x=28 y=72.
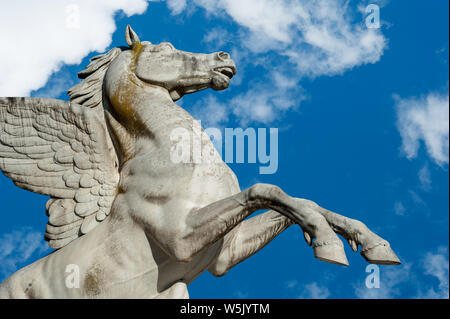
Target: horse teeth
x=307 y=238
x=353 y=245
x=226 y=71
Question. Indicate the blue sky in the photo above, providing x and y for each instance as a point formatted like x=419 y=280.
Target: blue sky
x=362 y=117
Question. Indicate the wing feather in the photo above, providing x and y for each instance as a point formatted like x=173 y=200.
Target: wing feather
x=63 y=150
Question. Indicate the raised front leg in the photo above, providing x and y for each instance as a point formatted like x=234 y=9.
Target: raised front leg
x=253 y=234
x=203 y=227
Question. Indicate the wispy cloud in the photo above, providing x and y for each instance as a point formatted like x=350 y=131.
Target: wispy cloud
x=424 y=119
x=266 y=102
x=212 y=112
x=297 y=38
x=314 y=291
x=318 y=37
x=217 y=38
x=18 y=247
x=425 y=178
x=399 y=208
x=436 y=265
x=412 y=203
x=291 y=283
x=390 y=280
x=176 y=6
x=412 y=280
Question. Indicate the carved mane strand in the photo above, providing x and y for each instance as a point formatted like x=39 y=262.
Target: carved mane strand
x=89 y=92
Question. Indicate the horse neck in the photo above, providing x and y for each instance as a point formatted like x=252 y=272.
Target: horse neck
x=141 y=111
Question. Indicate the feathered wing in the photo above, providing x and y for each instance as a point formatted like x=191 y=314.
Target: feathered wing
x=63 y=150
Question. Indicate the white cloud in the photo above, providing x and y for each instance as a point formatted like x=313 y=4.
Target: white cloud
x=57 y=84
x=314 y=291
x=211 y=112
x=399 y=208
x=309 y=291
x=390 y=279
x=305 y=38
x=270 y=17
x=436 y=265
x=17 y=247
x=401 y=280
x=263 y=102
x=266 y=102
x=176 y=6
x=217 y=38
x=40 y=36
x=318 y=37
x=413 y=203
x=417 y=200
x=291 y=283
x=424 y=119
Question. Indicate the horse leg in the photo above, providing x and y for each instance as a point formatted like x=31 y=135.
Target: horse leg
x=202 y=227
x=247 y=239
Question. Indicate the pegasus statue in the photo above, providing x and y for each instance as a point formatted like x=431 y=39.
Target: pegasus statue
x=137 y=224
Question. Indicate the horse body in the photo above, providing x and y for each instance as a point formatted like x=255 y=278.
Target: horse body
x=171 y=221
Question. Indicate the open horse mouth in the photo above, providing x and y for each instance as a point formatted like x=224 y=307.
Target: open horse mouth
x=228 y=71
x=222 y=76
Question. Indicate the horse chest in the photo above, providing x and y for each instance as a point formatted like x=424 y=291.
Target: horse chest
x=156 y=177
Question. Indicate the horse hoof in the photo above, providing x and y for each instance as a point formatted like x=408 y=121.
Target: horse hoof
x=331 y=252
x=381 y=254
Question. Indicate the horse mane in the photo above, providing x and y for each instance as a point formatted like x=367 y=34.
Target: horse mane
x=89 y=92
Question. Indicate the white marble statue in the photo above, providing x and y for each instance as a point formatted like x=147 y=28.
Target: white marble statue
x=136 y=224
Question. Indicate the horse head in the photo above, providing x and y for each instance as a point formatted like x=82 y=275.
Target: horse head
x=179 y=72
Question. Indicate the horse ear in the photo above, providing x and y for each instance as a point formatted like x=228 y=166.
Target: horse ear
x=131 y=37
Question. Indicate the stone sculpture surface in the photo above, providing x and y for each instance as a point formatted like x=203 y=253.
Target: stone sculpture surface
x=137 y=224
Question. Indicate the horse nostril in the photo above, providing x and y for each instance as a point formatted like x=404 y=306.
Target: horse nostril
x=223 y=56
